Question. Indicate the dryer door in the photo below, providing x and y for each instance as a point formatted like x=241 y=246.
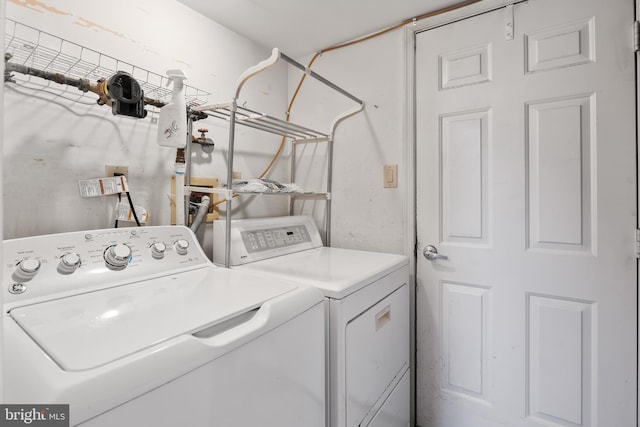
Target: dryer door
x=396 y=410
x=377 y=350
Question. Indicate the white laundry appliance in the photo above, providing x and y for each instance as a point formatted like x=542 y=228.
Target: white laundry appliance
x=136 y=327
x=367 y=312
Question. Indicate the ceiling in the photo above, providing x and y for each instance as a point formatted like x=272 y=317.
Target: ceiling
x=300 y=27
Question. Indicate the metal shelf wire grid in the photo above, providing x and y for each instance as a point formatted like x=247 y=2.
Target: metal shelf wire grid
x=43 y=51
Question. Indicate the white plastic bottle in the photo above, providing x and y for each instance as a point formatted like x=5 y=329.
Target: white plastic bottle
x=172 y=121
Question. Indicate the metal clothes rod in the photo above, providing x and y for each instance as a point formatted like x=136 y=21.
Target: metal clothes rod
x=318 y=77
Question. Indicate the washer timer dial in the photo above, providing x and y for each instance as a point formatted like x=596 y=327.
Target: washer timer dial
x=158 y=249
x=182 y=247
x=27 y=268
x=117 y=256
x=69 y=263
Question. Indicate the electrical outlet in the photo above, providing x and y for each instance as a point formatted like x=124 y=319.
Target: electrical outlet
x=110 y=170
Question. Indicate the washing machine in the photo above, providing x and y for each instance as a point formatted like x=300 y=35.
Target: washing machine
x=136 y=327
x=367 y=293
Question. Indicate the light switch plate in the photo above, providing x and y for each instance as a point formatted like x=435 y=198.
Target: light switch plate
x=390 y=176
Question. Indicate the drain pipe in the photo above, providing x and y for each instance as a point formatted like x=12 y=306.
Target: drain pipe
x=203 y=209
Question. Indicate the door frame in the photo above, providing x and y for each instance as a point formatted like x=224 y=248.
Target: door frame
x=410 y=134
x=637 y=64
x=3 y=4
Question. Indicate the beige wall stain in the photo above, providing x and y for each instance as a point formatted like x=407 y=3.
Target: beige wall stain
x=38 y=6
x=41 y=7
x=90 y=24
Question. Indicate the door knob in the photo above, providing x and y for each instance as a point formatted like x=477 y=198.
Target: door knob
x=430 y=252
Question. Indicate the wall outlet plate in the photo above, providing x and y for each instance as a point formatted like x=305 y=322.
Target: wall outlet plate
x=110 y=170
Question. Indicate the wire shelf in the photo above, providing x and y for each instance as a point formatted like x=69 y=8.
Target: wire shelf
x=264 y=122
x=37 y=49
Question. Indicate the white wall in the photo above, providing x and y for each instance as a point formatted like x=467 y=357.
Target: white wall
x=365 y=215
x=52 y=141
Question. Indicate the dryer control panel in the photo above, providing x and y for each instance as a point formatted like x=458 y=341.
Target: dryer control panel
x=273 y=238
x=262 y=238
x=50 y=266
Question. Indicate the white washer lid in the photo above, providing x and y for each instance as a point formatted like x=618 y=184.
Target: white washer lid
x=89 y=330
x=336 y=272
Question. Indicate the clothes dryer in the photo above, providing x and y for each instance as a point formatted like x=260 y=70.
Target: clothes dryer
x=367 y=293
x=136 y=327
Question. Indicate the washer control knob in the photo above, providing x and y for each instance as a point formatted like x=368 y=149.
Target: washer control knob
x=69 y=263
x=158 y=249
x=28 y=268
x=118 y=256
x=182 y=247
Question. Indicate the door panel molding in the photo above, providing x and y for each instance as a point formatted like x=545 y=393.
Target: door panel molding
x=466 y=348
x=465 y=67
x=560 y=388
x=563 y=46
x=561 y=210
x=464 y=146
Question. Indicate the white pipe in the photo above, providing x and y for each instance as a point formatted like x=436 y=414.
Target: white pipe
x=180 y=168
x=203 y=208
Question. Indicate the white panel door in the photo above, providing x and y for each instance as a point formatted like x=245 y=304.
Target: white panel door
x=526 y=181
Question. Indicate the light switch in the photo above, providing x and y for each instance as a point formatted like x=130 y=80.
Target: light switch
x=390 y=176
